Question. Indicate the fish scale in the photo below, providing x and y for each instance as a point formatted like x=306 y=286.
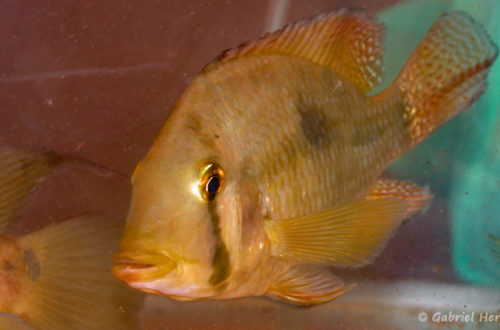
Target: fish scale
x=297 y=176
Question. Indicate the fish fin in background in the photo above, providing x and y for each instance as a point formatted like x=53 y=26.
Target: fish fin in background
x=348 y=236
x=495 y=243
x=12 y=322
x=68 y=281
x=349 y=42
x=307 y=285
x=417 y=198
x=444 y=75
x=20 y=172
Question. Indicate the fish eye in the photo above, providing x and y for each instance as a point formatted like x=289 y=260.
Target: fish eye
x=211 y=181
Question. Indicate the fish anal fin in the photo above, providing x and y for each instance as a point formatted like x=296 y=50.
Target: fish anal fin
x=347 y=236
x=307 y=285
x=349 y=42
x=416 y=197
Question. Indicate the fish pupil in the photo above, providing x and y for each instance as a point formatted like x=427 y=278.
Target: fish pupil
x=213 y=186
x=211 y=181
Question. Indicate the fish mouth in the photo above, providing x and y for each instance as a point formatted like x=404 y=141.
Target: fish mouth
x=141 y=266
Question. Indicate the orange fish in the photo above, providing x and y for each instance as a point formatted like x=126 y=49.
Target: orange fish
x=267 y=169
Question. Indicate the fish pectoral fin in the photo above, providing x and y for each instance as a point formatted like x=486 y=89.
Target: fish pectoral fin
x=415 y=196
x=20 y=172
x=348 y=42
x=347 y=236
x=307 y=285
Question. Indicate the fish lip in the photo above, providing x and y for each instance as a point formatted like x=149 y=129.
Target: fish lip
x=132 y=265
x=141 y=266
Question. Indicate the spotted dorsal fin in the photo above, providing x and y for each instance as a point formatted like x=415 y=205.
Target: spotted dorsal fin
x=348 y=42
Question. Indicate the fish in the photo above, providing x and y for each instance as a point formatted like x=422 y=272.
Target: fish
x=58 y=276
x=268 y=171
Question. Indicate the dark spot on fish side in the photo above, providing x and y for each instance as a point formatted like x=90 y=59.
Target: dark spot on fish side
x=220 y=261
x=313 y=123
x=33 y=268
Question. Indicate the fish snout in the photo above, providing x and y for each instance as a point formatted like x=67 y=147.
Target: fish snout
x=141 y=266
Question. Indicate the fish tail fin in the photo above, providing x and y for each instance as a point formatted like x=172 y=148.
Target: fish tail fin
x=67 y=280
x=445 y=74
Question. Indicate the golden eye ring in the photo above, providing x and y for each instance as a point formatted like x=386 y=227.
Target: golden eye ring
x=211 y=181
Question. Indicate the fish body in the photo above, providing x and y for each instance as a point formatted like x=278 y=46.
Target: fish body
x=267 y=170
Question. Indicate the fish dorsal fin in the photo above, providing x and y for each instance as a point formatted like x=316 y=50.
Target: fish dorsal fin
x=348 y=236
x=349 y=42
x=20 y=172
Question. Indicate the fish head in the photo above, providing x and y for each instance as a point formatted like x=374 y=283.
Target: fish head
x=192 y=226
